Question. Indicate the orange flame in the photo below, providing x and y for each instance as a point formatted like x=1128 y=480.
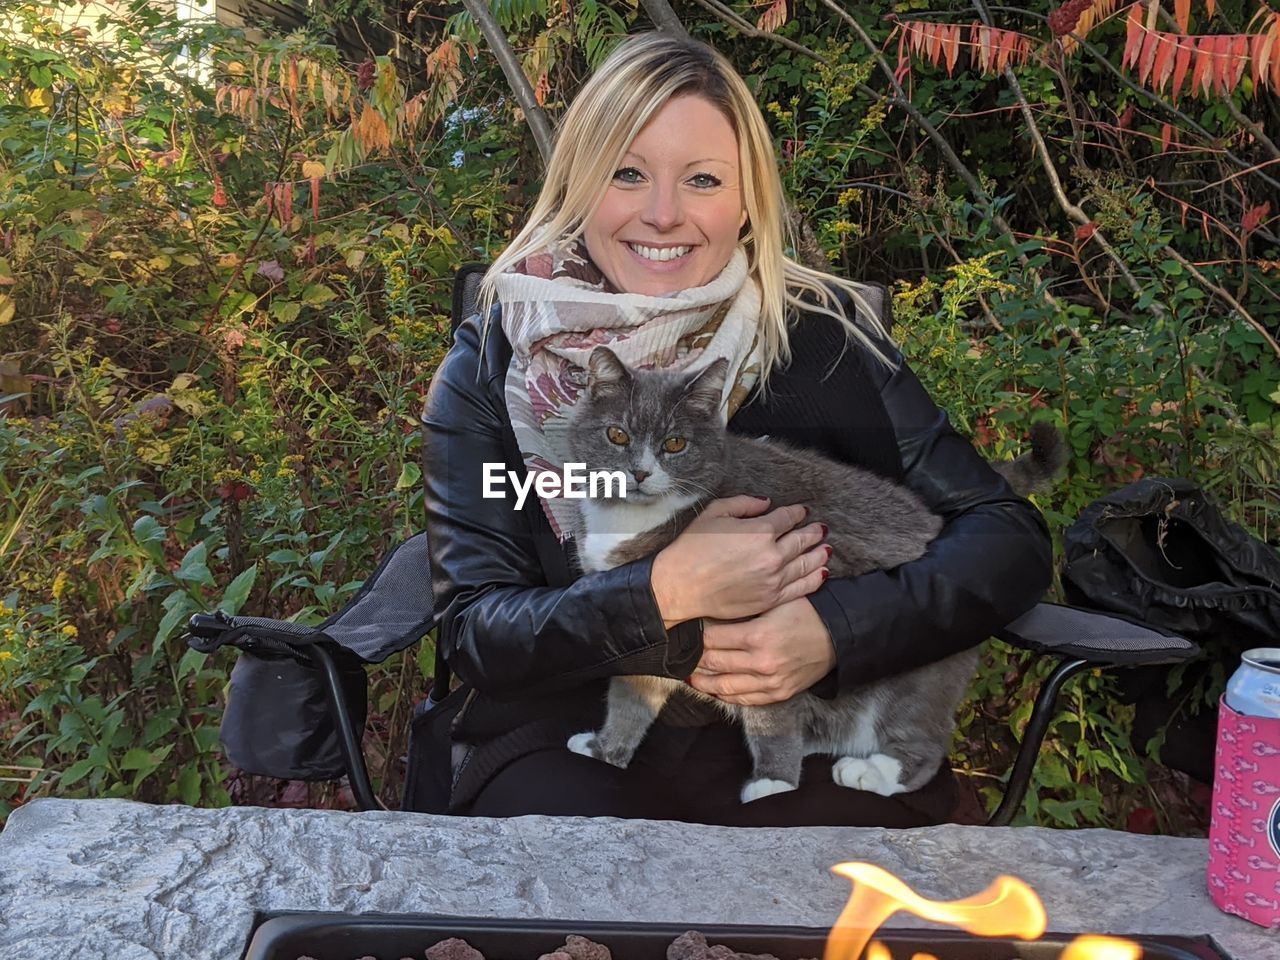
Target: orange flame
x=1007 y=908
x=1093 y=947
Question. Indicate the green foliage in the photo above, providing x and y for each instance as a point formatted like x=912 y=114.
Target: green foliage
x=209 y=396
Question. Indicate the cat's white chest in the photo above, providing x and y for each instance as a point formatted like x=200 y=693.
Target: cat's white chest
x=608 y=526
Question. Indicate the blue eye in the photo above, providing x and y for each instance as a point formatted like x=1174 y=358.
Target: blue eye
x=707 y=180
x=628 y=175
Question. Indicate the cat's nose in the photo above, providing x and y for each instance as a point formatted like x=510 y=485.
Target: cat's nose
x=640 y=475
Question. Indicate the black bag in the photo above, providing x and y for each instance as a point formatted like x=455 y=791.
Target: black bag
x=279 y=722
x=1160 y=551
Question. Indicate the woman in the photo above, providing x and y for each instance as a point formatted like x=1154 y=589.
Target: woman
x=660 y=231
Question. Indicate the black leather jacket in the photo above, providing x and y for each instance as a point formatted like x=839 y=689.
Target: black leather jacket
x=518 y=625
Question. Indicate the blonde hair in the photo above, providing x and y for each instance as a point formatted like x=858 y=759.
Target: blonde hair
x=636 y=81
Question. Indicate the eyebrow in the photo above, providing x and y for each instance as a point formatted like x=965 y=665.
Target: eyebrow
x=691 y=163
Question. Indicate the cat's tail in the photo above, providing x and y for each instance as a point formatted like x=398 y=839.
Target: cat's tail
x=1035 y=470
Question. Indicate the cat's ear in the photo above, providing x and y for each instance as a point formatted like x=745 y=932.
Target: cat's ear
x=606 y=374
x=705 y=390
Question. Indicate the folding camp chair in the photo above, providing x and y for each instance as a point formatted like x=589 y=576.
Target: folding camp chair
x=297 y=692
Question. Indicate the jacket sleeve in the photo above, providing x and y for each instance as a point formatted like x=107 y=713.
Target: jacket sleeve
x=990 y=564
x=503 y=629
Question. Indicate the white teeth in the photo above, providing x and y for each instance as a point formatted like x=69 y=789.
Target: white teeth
x=663 y=255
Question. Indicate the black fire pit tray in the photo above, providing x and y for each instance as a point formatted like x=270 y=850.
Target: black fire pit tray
x=348 y=936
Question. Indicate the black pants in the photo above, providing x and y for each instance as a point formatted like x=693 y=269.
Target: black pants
x=695 y=775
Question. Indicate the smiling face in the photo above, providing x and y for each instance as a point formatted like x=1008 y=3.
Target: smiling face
x=671 y=214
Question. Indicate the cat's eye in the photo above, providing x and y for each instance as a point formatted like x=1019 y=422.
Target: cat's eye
x=674 y=444
x=618 y=436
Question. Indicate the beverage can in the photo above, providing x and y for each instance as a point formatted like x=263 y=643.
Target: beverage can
x=1244 y=827
x=1254 y=689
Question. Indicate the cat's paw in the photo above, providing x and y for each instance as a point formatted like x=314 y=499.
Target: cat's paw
x=877 y=773
x=587 y=744
x=755 y=789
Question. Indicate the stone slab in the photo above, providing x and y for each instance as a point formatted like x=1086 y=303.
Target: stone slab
x=128 y=881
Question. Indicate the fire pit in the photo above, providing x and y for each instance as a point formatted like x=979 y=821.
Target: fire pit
x=334 y=936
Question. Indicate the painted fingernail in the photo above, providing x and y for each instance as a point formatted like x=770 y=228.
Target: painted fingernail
x=756 y=497
x=830 y=551
x=825 y=573
x=824 y=530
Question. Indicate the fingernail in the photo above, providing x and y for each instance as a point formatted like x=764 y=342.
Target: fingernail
x=824 y=530
x=825 y=573
x=830 y=551
x=755 y=497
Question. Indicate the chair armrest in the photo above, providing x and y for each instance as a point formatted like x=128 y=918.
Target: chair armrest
x=209 y=632
x=1102 y=639
x=391 y=611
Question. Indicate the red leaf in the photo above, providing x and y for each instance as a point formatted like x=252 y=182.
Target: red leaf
x=774 y=17
x=1260 y=51
x=1133 y=35
x=1221 y=62
x=1181 y=62
x=1182 y=13
x=952 y=46
x=1085 y=231
x=1253 y=218
x=1166 y=135
x=1148 y=55
x=1239 y=58
x=1200 y=73
x=1166 y=44
x=1275 y=53
x=980 y=40
x=1210 y=5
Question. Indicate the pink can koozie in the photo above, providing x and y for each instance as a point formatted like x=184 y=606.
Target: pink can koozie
x=1244 y=827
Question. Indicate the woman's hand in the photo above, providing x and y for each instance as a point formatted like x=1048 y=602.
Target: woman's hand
x=737 y=560
x=767 y=659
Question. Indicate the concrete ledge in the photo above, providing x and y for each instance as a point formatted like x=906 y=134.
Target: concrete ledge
x=111 y=878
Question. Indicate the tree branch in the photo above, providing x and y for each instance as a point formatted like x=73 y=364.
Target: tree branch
x=511 y=69
x=663 y=17
x=1046 y=161
x=900 y=99
x=748 y=29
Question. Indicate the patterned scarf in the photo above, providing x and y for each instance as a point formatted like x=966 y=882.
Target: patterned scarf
x=557 y=307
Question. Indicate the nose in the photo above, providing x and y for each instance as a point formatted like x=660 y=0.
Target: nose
x=641 y=475
x=663 y=210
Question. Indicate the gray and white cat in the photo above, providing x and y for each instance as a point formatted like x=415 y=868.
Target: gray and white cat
x=665 y=431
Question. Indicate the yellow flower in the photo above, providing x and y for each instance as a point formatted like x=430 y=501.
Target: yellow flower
x=70 y=631
x=5 y=655
x=59 y=585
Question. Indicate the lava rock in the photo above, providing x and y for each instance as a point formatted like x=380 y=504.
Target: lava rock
x=455 y=948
